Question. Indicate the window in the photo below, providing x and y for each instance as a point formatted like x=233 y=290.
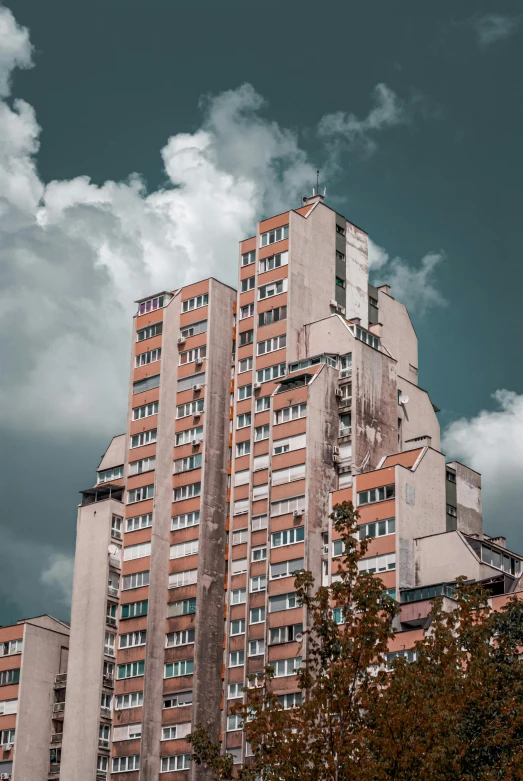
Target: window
x=185 y=437
x=132 y=639
x=127 y=732
x=275 y=235
x=287 y=475
x=451 y=476
x=247 y=284
x=272 y=316
x=242 y=478
x=451 y=510
x=285 y=634
x=285 y=568
x=260 y=462
x=123 y=764
x=290 y=700
x=288 y=537
x=176 y=731
x=245 y=365
x=145 y=411
x=345 y=424
x=149 y=357
x=272 y=289
x=139 y=522
x=109 y=474
x=500 y=560
x=183 y=637
x=191 y=408
x=288 y=505
x=242 y=535
x=244 y=392
x=144 y=438
x=140 y=494
x=195 y=303
x=143 y=465
x=131 y=670
x=234 y=722
x=7 y=735
x=260 y=492
x=377 y=528
x=378 y=563
x=271 y=372
x=340 y=282
x=376 y=494
x=236 y=658
x=238 y=596
x=186 y=464
x=185 y=607
x=256 y=648
x=258 y=583
x=270 y=345
x=134 y=609
x=246 y=311
x=182 y=549
x=146 y=384
x=248 y=258
x=246 y=337
x=187 y=383
x=365 y=336
x=186 y=491
x=137 y=551
x=263 y=403
x=241 y=506
x=185 y=521
x=261 y=432
x=102 y=764
x=282 y=602
x=243 y=420
x=190 y=356
x=8 y=707
x=293 y=412
x=234 y=690
x=259 y=553
x=194 y=329
x=239 y=566
x=274 y=261
x=131 y=700
x=346 y=394
x=186 y=578
x=340 y=230
x=9 y=676
x=341 y=257
x=176 y=669
x=243 y=448
x=177 y=762
x=11 y=647
x=238 y=627
x=177 y=700
x=288 y=444
x=285 y=667
x=409 y=654
x=257 y=615
x=136 y=580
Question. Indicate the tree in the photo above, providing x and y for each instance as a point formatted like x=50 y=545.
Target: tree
x=454 y=713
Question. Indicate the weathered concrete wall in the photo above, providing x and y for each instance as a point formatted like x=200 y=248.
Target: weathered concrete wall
x=468 y=496
x=444 y=557
x=208 y=651
x=84 y=676
x=357 y=269
x=398 y=334
x=418 y=418
x=41 y=662
x=115 y=453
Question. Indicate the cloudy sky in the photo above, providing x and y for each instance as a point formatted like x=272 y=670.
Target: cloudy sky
x=125 y=127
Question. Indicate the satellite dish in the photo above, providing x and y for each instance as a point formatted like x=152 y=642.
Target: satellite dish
x=403 y=399
x=113 y=549
x=299 y=637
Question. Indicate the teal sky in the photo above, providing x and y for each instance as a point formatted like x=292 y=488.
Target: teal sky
x=113 y=81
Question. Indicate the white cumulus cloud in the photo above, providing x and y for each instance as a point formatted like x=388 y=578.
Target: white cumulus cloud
x=494 y=27
x=414 y=286
x=492 y=443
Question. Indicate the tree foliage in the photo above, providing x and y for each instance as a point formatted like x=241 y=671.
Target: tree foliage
x=454 y=713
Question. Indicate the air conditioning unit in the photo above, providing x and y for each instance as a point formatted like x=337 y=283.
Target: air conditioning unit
x=333 y=303
x=297 y=513
x=326 y=549
x=195 y=442
x=299 y=637
x=257 y=385
x=335 y=450
x=5 y=776
x=198 y=362
x=197 y=415
x=338 y=393
x=197 y=387
x=6 y=746
x=335 y=458
x=181 y=340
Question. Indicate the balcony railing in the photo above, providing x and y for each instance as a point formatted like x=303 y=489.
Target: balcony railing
x=345 y=431
x=110 y=620
x=58 y=709
x=113 y=591
x=54 y=769
x=57 y=737
x=103 y=743
x=105 y=713
x=60 y=680
x=101 y=775
x=108 y=680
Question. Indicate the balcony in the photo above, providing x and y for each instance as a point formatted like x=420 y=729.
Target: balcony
x=106 y=713
x=58 y=710
x=57 y=737
x=60 y=681
x=108 y=681
x=113 y=591
x=54 y=770
x=103 y=743
x=110 y=620
x=345 y=431
x=101 y=493
x=101 y=775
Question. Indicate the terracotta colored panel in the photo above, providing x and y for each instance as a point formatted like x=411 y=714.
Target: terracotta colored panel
x=141 y=480
x=260 y=507
x=187 y=478
x=10 y=692
x=285 y=617
x=147 y=344
x=261 y=448
x=188 y=318
x=182 y=683
x=260 y=477
x=133 y=538
x=269 y=331
x=236 y=674
x=296 y=488
x=285 y=651
x=189 y=562
x=286 y=552
x=149 y=370
x=180 y=593
x=189 y=369
x=299 y=396
x=407 y=459
x=185 y=506
x=142 y=321
x=242 y=463
x=377 y=512
x=405 y=640
x=176 y=715
x=9 y=721
x=143 y=424
x=142 y=451
x=375 y=479
x=239 y=551
x=247 y=245
x=180 y=623
x=274 y=222
x=259 y=537
x=241 y=492
x=237 y=612
x=344 y=495
x=238 y=581
x=290 y=428
x=247 y=298
x=380 y=545
x=196 y=289
x=240 y=521
x=271 y=276
x=292 y=458
x=258 y=568
x=139 y=508
x=265 y=304
x=237 y=643
x=15 y=632
x=287 y=521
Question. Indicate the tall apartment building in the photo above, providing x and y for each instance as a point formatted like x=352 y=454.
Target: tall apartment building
x=33 y=665
x=250 y=415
